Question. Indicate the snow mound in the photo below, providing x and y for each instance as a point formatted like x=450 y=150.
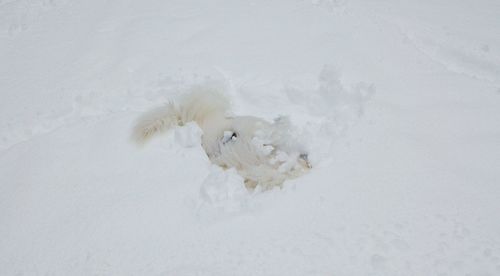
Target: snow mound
x=329 y=106
x=222 y=193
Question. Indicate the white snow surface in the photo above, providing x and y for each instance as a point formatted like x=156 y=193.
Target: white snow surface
x=397 y=102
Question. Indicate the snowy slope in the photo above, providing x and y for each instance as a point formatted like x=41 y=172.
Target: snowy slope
x=398 y=102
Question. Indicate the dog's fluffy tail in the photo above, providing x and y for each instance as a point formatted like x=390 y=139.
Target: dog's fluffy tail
x=201 y=103
x=156 y=121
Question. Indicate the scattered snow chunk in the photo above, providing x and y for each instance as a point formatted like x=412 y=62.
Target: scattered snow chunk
x=188 y=136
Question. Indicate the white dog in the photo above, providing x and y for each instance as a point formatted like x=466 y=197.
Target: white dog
x=263 y=153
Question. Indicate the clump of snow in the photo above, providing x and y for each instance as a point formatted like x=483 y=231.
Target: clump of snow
x=222 y=192
x=188 y=135
x=284 y=134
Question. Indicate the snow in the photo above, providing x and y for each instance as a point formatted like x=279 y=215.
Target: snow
x=397 y=103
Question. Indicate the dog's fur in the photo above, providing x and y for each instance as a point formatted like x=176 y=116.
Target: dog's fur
x=263 y=153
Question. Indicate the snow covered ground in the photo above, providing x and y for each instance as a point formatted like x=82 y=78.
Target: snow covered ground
x=399 y=102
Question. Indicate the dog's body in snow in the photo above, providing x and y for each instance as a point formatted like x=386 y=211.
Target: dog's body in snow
x=263 y=153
